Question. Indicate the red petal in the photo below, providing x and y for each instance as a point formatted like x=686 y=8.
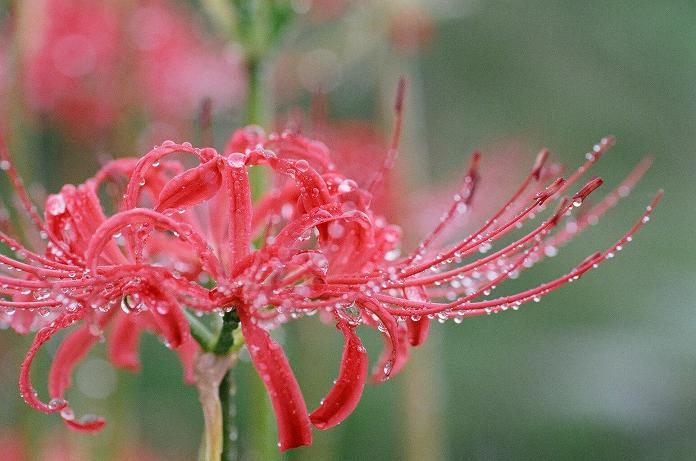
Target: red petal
x=172 y=324
x=123 y=343
x=347 y=389
x=87 y=423
x=389 y=359
x=417 y=329
x=73 y=349
x=245 y=138
x=25 y=386
x=191 y=187
x=294 y=427
x=187 y=355
x=239 y=191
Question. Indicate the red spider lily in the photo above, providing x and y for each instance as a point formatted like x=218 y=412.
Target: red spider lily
x=188 y=235
x=89 y=64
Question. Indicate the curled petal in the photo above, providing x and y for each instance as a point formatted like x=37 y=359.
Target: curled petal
x=390 y=332
x=147 y=161
x=87 y=423
x=120 y=221
x=275 y=372
x=348 y=388
x=26 y=388
x=191 y=187
x=313 y=189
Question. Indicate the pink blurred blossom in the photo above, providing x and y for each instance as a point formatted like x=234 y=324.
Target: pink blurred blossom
x=90 y=64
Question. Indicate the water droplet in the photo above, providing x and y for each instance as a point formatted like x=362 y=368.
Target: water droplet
x=336 y=230
x=67 y=413
x=236 y=160
x=302 y=165
x=126 y=305
x=55 y=205
x=56 y=403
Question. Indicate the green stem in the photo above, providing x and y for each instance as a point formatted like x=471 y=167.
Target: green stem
x=230 y=322
x=226 y=395
x=224 y=346
x=211 y=370
x=254 y=103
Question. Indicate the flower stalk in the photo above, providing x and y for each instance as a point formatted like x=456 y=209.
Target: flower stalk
x=211 y=371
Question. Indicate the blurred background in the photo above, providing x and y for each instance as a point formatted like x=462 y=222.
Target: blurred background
x=603 y=369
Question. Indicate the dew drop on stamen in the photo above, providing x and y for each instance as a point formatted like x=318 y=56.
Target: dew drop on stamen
x=56 y=403
x=55 y=205
x=67 y=413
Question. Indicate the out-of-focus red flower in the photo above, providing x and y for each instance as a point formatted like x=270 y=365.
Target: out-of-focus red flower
x=179 y=70
x=5 y=65
x=55 y=447
x=187 y=235
x=325 y=10
x=410 y=27
x=72 y=64
x=357 y=150
x=12 y=447
x=87 y=64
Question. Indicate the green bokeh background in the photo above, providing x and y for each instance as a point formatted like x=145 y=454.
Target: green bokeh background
x=604 y=369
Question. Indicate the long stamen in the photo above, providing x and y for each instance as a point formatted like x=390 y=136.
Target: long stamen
x=393 y=151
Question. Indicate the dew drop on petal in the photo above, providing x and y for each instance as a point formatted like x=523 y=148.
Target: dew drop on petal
x=302 y=165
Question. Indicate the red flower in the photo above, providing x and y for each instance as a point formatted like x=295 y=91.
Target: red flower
x=89 y=64
x=187 y=235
